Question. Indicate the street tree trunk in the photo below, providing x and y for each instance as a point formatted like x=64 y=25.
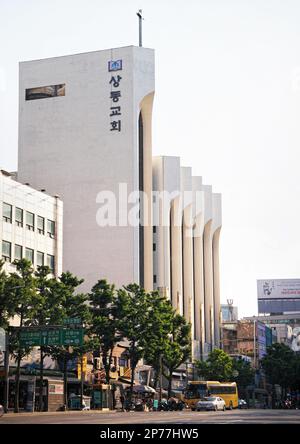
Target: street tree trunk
x=106 y=365
x=65 y=382
x=81 y=381
x=41 y=382
x=17 y=383
x=170 y=384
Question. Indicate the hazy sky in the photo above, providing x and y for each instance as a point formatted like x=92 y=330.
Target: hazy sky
x=227 y=102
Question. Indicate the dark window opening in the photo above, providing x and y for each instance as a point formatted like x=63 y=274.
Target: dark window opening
x=44 y=92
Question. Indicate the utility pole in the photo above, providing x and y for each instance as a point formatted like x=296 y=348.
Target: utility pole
x=6 y=373
x=160 y=377
x=254 y=343
x=140 y=16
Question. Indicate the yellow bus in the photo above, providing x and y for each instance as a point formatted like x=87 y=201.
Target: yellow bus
x=196 y=390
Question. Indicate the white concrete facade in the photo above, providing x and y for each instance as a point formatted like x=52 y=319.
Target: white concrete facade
x=18 y=237
x=186 y=253
x=70 y=144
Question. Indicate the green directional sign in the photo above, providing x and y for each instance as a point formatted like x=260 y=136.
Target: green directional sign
x=52 y=337
x=72 y=337
x=73 y=321
x=30 y=338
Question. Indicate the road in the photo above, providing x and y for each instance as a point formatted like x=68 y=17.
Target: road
x=185 y=417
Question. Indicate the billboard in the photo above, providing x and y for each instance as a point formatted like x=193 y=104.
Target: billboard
x=278 y=288
x=278 y=295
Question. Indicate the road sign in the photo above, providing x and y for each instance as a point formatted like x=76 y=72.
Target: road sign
x=2 y=340
x=73 y=321
x=54 y=337
x=72 y=337
x=51 y=337
x=30 y=338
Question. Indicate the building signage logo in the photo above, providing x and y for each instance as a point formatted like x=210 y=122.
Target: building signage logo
x=115 y=65
x=115 y=96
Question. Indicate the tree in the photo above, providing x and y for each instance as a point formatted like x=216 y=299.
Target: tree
x=177 y=348
x=133 y=309
x=69 y=305
x=46 y=313
x=104 y=322
x=22 y=292
x=245 y=373
x=159 y=327
x=280 y=365
x=218 y=367
x=6 y=305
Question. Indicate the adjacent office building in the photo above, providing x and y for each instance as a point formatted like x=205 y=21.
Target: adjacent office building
x=30 y=225
x=229 y=313
x=85 y=134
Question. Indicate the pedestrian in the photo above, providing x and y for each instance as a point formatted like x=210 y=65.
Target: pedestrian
x=122 y=400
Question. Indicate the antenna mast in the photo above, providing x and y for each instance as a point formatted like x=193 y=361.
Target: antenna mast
x=141 y=18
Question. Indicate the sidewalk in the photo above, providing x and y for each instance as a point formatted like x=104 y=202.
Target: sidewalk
x=68 y=412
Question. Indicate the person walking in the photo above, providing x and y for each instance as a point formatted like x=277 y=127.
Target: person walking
x=122 y=400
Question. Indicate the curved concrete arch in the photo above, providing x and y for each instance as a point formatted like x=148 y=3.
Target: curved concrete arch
x=146 y=107
x=176 y=254
x=208 y=283
x=187 y=268
x=199 y=282
x=216 y=282
x=216 y=230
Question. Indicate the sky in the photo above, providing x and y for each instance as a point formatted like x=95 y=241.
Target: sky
x=227 y=102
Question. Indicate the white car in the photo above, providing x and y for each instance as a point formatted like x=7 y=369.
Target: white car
x=211 y=403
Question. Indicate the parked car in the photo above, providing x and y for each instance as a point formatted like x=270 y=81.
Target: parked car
x=242 y=404
x=211 y=403
x=1 y=410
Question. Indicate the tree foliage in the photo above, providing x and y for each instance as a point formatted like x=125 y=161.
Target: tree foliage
x=217 y=367
x=281 y=365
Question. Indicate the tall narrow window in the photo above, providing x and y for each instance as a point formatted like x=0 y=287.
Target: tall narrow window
x=7 y=212
x=29 y=221
x=41 y=224
x=6 y=251
x=19 y=217
x=40 y=258
x=51 y=228
x=29 y=254
x=18 y=252
x=50 y=262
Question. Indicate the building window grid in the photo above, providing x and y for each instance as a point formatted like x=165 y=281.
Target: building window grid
x=30 y=225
